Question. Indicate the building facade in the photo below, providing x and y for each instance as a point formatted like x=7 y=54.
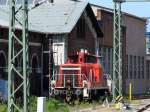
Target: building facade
x=35 y=60
x=133 y=51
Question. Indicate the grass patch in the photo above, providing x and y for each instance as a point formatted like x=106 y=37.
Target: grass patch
x=53 y=105
x=3 y=107
x=33 y=104
x=82 y=105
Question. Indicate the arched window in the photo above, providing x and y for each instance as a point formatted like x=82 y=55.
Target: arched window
x=35 y=83
x=34 y=63
x=3 y=66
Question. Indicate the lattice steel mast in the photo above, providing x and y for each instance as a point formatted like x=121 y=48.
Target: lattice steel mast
x=18 y=47
x=117 y=52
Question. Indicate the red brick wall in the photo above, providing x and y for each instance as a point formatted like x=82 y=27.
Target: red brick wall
x=106 y=21
x=133 y=44
x=34 y=38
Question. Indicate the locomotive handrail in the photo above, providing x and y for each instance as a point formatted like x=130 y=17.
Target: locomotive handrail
x=83 y=77
x=69 y=74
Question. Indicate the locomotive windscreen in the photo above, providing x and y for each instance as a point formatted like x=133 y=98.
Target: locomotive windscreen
x=90 y=59
x=74 y=58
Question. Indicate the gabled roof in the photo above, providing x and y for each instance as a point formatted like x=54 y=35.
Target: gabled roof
x=112 y=11
x=53 y=18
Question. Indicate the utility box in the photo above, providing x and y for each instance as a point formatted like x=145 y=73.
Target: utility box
x=41 y=102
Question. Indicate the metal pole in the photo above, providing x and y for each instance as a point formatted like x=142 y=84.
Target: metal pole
x=25 y=54
x=18 y=47
x=117 y=52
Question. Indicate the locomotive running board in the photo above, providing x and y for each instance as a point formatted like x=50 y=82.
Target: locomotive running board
x=70 y=68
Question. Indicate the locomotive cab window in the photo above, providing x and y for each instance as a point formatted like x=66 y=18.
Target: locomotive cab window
x=91 y=59
x=100 y=60
x=74 y=58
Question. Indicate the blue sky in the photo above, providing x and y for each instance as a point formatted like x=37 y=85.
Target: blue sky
x=141 y=9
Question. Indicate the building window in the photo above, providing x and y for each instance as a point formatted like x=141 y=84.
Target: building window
x=143 y=67
x=135 y=67
x=104 y=57
x=126 y=71
x=1 y=33
x=81 y=29
x=131 y=67
x=109 y=61
x=139 y=67
x=147 y=69
x=3 y=68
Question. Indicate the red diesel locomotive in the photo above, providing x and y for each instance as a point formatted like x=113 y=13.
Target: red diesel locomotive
x=81 y=76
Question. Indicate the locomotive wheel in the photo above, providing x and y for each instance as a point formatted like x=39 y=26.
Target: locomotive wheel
x=70 y=100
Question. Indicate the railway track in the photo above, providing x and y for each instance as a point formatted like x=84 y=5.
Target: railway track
x=145 y=109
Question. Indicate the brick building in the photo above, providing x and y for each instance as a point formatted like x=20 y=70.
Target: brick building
x=77 y=30
x=61 y=28
x=134 y=45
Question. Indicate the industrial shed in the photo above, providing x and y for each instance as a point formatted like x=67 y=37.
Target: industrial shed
x=55 y=30
x=134 y=47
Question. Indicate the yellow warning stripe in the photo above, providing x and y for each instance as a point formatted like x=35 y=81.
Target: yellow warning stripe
x=119 y=98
